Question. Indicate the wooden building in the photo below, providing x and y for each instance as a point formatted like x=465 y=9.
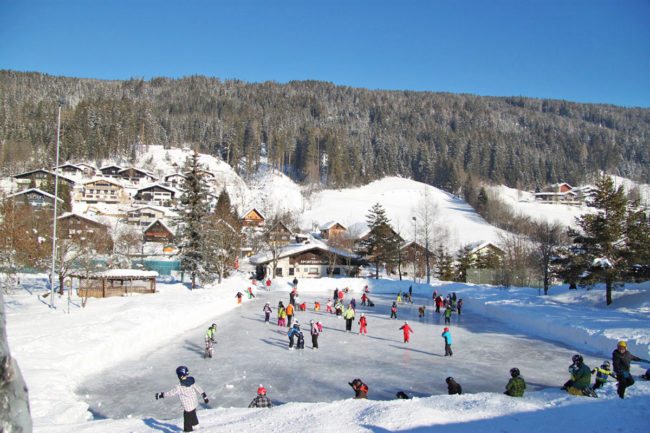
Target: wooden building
x=332 y=229
x=34 y=197
x=156 y=194
x=116 y=282
x=102 y=191
x=157 y=231
x=279 y=234
x=252 y=218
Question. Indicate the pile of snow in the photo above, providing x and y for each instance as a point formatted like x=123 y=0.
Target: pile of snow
x=58 y=352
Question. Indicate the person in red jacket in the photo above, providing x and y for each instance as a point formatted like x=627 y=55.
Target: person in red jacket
x=407 y=331
x=363 y=325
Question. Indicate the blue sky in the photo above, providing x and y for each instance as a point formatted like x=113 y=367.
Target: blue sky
x=579 y=50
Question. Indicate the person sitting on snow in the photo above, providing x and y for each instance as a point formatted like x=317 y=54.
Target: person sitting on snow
x=516 y=385
x=602 y=374
x=453 y=387
x=261 y=400
x=360 y=388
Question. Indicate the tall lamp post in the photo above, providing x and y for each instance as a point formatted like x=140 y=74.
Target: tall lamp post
x=56 y=195
x=415 y=248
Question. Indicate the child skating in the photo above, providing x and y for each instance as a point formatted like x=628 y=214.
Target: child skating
x=187 y=390
x=363 y=325
x=407 y=331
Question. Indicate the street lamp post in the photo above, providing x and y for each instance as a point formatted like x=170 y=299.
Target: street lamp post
x=415 y=248
x=56 y=196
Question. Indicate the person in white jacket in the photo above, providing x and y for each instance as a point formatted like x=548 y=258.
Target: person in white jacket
x=186 y=390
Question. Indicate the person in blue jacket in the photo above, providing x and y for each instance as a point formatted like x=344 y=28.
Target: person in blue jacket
x=447 y=336
x=296 y=332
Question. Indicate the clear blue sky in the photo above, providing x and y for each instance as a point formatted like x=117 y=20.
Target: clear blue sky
x=579 y=50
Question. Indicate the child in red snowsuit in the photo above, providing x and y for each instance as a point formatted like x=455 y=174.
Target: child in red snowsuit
x=329 y=307
x=407 y=331
x=363 y=325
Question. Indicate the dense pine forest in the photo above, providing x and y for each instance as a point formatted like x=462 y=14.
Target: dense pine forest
x=322 y=133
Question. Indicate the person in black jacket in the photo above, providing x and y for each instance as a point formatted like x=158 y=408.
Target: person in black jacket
x=621 y=359
x=453 y=387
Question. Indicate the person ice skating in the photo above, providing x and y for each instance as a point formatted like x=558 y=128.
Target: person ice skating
x=580 y=382
x=453 y=296
x=366 y=289
x=360 y=388
x=239 y=297
x=268 y=284
x=292 y=297
x=435 y=295
x=341 y=295
x=267 y=312
x=328 y=307
x=407 y=331
x=448 y=315
x=210 y=340
x=602 y=374
x=459 y=305
x=393 y=311
x=363 y=325
x=282 y=315
x=293 y=333
x=516 y=385
x=453 y=387
x=353 y=303
x=399 y=297
x=411 y=294
x=621 y=359
x=364 y=299
x=261 y=400
x=186 y=390
x=316 y=306
x=338 y=307
x=349 y=318
x=438 y=303
x=336 y=295
x=295 y=282
x=290 y=312
x=447 y=337
x=421 y=311
x=249 y=292
x=303 y=306
x=315 y=332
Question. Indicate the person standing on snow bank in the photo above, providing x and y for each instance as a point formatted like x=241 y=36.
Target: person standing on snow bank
x=621 y=359
x=453 y=387
x=360 y=388
x=516 y=385
x=186 y=391
x=447 y=336
x=261 y=400
x=407 y=331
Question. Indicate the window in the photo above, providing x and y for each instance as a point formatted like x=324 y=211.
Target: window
x=314 y=271
x=278 y=272
x=291 y=271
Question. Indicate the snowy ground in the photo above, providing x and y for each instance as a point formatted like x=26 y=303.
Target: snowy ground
x=129 y=345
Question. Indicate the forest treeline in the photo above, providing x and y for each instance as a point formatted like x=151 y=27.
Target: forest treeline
x=322 y=133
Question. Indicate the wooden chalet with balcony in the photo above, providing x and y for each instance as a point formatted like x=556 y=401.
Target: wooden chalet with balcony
x=156 y=194
x=332 y=229
x=35 y=198
x=102 y=191
x=252 y=218
x=158 y=231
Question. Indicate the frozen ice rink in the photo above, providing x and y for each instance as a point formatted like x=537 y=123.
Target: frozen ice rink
x=250 y=352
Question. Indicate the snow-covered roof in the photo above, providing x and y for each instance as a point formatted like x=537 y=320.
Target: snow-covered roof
x=161 y=223
x=328 y=225
x=156 y=208
x=78 y=215
x=293 y=249
x=481 y=245
x=154 y=185
x=104 y=179
x=249 y=210
x=359 y=229
x=124 y=273
x=36 y=191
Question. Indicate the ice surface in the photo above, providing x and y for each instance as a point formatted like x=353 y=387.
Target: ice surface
x=250 y=352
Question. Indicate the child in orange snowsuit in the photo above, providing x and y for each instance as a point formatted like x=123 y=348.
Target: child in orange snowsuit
x=407 y=331
x=316 y=306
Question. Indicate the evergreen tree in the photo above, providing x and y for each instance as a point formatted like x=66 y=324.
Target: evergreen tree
x=463 y=263
x=445 y=264
x=382 y=243
x=225 y=211
x=637 y=249
x=600 y=241
x=193 y=211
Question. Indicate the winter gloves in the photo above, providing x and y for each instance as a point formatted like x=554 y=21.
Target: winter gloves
x=160 y=395
x=205 y=398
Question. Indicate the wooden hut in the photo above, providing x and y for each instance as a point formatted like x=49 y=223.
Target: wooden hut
x=116 y=282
